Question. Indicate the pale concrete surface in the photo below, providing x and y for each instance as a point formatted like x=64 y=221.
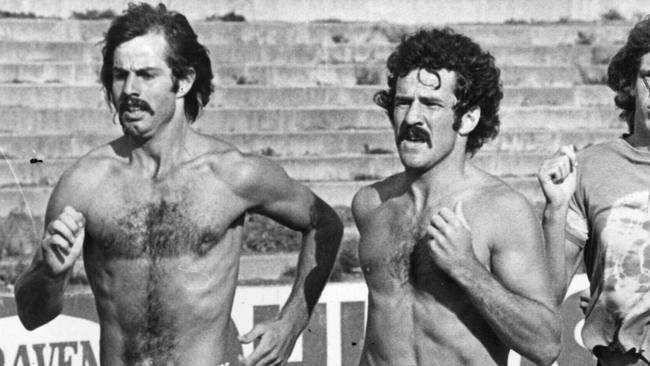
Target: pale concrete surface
x=403 y=11
x=66 y=96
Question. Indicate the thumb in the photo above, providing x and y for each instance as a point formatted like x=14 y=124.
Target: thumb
x=255 y=333
x=458 y=210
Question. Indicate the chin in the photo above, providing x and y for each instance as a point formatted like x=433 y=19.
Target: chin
x=415 y=163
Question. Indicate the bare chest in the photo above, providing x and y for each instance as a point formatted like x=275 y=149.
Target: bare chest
x=153 y=220
x=394 y=250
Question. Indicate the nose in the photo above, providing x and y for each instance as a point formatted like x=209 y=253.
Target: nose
x=131 y=85
x=413 y=114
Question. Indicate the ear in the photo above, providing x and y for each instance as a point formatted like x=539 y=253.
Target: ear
x=469 y=120
x=185 y=84
x=630 y=89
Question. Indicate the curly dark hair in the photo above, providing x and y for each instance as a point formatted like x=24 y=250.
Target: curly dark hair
x=624 y=68
x=478 y=82
x=184 y=54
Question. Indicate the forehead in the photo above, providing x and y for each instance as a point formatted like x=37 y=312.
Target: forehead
x=423 y=82
x=141 y=52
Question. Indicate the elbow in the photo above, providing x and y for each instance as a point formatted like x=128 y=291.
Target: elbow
x=31 y=322
x=28 y=322
x=33 y=316
x=549 y=347
x=547 y=354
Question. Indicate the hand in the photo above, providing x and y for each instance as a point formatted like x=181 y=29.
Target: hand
x=557 y=176
x=451 y=239
x=63 y=241
x=275 y=346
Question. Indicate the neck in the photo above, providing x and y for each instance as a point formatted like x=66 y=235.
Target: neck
x=164 y=150
x=448 y=175
x=639 y=140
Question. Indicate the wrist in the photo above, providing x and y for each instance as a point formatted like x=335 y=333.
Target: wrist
x=466 y=271
x=295 y=318
x=556 y=210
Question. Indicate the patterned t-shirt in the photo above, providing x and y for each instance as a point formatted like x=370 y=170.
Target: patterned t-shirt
x=609 y=217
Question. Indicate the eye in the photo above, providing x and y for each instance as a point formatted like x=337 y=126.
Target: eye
x=147 y=75
x=401 y=103
x=119 y=74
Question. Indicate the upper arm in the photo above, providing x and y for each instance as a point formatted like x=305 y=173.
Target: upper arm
x=365 y=200
x=518 y=259
x=69 y=191
x=272 y=193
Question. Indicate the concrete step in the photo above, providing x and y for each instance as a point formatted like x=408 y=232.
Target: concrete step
x=62 y=72
x=314 y=53
x=259 y=96
x=52 y=120
x=335 y=193
x=519 y=157
x=303 y=144
x=52 y=30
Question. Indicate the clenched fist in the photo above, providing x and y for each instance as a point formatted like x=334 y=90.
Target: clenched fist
x=63 y=241
x=557 y=176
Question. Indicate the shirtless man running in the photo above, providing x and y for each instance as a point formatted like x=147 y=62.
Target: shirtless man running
x=453 y=257
x=159 y=213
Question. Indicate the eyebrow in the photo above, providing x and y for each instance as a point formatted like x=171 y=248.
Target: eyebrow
x=430 y=99
x=145 y=69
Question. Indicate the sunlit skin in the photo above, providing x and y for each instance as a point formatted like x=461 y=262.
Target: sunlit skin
x=159 y=213
x=452 y=256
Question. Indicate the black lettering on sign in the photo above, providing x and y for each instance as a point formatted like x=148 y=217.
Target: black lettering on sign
x=88 y=354
x=60 y=347
x=22 y=356
x=2 y=358
x=40 y=358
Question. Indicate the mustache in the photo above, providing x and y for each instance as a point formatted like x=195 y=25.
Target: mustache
x=406 y=131
x=126 y=102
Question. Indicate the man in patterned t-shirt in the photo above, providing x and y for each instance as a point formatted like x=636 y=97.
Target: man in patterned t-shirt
x=598 y=207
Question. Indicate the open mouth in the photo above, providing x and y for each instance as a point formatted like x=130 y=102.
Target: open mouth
x=132 y=107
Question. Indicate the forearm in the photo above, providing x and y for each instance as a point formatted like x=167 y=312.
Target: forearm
x=39 y=295
x=319 y=249
x=553 y=225
x=527 y=326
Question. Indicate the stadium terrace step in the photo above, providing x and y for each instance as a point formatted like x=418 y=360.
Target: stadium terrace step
x=259 y=96
x=315 y=53
x=334 y=193
x=344 y=165
x=214 y=121
x=261 y=33
x=307 y=144
x=300 y=74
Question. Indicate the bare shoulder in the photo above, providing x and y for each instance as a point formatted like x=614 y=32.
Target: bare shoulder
x=504 y=213
x=79 y=184
x=373 y=196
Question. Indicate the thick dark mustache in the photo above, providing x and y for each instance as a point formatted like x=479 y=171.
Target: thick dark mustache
x=406 y=130
x=127 y=102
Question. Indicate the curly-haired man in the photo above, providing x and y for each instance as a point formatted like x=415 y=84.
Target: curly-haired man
x=159 y=213
x=598 y=210
x=453 y=257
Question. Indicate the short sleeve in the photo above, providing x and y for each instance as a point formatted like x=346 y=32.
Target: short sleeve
x=577 y=228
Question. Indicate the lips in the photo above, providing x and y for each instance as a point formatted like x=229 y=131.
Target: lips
x=134 y=108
